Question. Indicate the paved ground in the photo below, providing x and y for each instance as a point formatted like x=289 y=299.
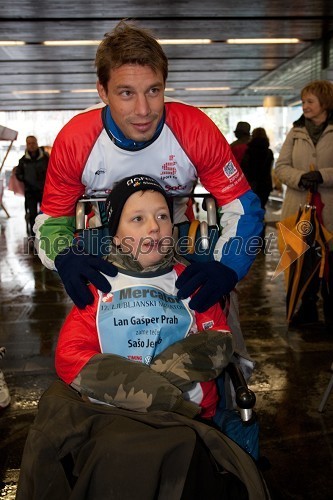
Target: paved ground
x=292 y=367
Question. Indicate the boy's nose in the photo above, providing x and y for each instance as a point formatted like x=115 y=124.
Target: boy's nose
x=153 y=225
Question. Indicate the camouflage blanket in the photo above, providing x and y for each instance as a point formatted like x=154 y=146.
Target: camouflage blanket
x=78 y=450
x=135 y=386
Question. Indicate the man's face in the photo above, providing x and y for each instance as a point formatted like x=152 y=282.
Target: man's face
x=135 y=95
x=32 y=145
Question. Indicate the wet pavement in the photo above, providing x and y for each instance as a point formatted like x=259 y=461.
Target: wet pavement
x=291 y=373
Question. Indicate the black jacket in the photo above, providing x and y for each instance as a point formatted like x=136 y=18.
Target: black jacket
x=32 y=171
x=257 y=166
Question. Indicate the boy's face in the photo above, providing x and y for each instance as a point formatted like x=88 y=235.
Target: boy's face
x=145 y=227
x=135 y=95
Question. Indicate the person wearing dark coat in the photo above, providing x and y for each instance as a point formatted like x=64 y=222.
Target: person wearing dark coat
x=238 y=147
x=31 y=170
x=257 y=165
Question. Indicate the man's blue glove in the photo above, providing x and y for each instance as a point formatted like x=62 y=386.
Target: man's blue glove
x=213 y=279
x=76 y=269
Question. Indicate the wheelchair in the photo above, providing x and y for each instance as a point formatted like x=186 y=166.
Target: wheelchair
x=195 y=241
x=89 y=450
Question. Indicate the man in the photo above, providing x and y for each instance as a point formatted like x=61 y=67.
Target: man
x=31 y=170
x=239 y=146
x=137 y=130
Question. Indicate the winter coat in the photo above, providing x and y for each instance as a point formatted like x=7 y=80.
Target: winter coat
x=118 y=324
x=257 y=166
x=79 y=450
x=239 y=148
x=297 y=154
x=32 y=171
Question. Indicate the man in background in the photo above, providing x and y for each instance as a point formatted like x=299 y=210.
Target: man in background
x=31 y=170
x=239 y=146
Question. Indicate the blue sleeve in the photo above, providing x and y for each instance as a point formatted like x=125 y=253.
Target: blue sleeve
x=241 y=224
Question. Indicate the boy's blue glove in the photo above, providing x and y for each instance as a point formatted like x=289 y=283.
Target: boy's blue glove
x=76 y=269
x=213 y=279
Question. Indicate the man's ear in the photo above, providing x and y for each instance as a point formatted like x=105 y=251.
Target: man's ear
x=102 y=93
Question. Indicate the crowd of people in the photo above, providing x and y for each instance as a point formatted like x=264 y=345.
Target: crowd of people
x=120 y=358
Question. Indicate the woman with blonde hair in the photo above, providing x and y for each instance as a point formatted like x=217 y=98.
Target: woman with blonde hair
x=305 y=164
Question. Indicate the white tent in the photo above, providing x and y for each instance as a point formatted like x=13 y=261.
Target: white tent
x=6 y=134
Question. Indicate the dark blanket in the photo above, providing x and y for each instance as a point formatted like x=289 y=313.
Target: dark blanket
x=119 y=454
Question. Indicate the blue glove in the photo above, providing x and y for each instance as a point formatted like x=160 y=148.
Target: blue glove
x=213 y=279
x=76 y=269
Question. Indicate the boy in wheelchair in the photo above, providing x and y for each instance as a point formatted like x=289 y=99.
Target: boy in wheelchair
x=138 y=371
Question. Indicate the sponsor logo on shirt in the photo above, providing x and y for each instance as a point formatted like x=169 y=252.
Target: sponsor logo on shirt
x=100 y=171
x=229 y=169
x=169 y=168
x=169 y=188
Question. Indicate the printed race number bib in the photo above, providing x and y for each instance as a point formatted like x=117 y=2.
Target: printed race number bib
x=140 y=321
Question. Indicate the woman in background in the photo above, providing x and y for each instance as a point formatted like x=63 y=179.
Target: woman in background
x=257 y=165
x=306 y=164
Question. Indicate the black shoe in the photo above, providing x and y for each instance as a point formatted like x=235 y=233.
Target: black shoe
x=307 y=314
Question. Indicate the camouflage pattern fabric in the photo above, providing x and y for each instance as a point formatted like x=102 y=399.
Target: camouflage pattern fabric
x=135 y=386
x=197 y=358
x=120 y=454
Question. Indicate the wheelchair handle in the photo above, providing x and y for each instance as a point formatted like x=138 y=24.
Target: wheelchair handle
x=204 y=235
x=211 y=212
x=191 y=235
x=80 y=212
x=80 y=215
x=245 y=398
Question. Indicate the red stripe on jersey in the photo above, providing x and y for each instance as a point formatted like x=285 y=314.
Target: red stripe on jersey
x=69 y=155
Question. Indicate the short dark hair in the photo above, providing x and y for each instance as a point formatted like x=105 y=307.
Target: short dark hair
x=129 y=44
x=260 y=133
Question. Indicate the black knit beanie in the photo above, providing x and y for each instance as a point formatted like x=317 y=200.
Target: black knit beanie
x=122 y=190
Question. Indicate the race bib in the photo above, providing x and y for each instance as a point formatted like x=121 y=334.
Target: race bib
x=140 y=321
